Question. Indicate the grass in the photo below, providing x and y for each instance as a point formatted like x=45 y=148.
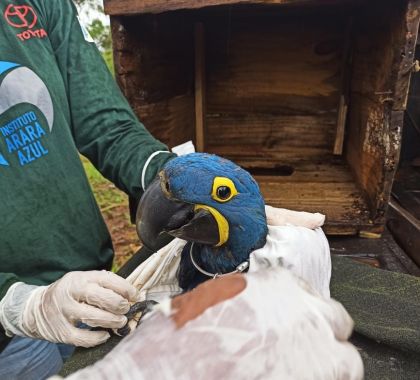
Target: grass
x=106 y=194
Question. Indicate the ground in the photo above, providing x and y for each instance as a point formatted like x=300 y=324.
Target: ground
x=114 y=207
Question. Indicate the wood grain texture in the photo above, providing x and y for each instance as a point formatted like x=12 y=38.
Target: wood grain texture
x=374 y=130
x=154 y=60
x=326 y=187
x=406 y=189
x=170 y=120
x=200 y=85
x=406 y=229
x=273 y=82
x=345 y=88
x=405 y=63
x=120 y=7
x=341 y=126
x=270 y=137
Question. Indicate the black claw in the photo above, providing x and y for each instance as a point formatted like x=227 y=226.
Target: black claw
x=140 y=307
x=144 y=306
x=124 y=331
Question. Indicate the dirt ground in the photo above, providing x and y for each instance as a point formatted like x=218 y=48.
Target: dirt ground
x=114 y=207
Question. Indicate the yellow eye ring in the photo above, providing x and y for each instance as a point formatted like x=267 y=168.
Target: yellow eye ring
x=223 y=189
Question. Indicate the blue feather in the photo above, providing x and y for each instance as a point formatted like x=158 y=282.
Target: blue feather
x=190 y=180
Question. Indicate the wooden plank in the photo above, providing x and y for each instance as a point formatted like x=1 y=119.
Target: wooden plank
x=326 y=187
x=308 y=172
x=406 y=56
x=409 y=217
x=272 y=82
x=156 y=55
x=406 y=189
x=341 y=203
x=270 y=137
x=341 y=126
x=122 y=7
x=374 y=130
x=406 y=230
x=401 y=55
x=170 y=120
x=367 y=148
x=154 y=60
x=274 y=62
x=345 y=90
x=200 y=85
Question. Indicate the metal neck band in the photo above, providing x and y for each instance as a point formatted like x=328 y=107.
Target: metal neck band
x=239 y=269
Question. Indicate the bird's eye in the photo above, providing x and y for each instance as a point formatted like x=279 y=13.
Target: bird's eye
x=223 y=189
x=223 y=192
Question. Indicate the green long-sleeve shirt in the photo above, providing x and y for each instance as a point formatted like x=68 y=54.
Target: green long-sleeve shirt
x=57 y=99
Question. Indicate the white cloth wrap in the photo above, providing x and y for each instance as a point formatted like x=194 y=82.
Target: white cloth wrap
x=304 y=252
x=291 y=243
x=283 y=217
x=275 y=329
x=156 y=277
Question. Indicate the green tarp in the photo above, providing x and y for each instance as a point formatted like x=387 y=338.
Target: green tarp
x=385 y=307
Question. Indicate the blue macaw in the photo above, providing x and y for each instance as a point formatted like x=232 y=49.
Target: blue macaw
x=213 y=204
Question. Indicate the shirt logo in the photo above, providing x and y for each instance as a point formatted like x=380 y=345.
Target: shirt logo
x=24 y=136
x=20 y=16
x=24 y=17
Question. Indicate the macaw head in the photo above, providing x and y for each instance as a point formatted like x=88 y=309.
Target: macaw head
x=209 y=201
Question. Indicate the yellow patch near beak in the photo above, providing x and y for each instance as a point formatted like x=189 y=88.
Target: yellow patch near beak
x=222 y=223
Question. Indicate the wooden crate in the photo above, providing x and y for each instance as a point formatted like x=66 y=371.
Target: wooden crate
x=309 y=95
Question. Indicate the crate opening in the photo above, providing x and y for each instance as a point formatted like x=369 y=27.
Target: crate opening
x=294 y=94
x=277 y=170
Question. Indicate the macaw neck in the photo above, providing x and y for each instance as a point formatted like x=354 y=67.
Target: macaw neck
x=237 y=249
x=222 y=259
x=218 y=259
x=211 y=259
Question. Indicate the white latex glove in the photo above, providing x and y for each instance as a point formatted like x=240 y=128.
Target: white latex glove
x=96 y=298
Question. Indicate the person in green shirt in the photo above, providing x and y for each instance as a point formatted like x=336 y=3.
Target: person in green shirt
x=58 y=99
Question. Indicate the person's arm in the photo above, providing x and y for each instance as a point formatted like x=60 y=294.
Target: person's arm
x=105 y=128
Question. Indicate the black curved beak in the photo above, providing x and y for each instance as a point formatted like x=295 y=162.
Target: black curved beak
x=160 y=218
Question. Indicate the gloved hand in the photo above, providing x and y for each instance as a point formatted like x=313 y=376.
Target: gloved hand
x=96 y=298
